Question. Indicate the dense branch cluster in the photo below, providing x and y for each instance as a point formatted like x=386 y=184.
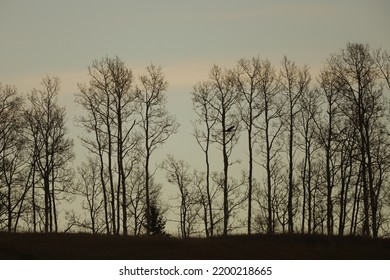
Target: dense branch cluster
x=35 y=175
x=317 y=157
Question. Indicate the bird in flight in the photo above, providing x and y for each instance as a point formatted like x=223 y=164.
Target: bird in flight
x=230 y=129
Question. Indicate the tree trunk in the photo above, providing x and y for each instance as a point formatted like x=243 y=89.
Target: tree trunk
x=250 y=175
x=304 y=181
x=270 y=224
x=329 y=183
x=109 y=159
x=208 y=186
x=225 y=178
x=290 y=174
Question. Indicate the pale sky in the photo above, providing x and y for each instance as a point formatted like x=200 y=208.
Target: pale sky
x=185 y=37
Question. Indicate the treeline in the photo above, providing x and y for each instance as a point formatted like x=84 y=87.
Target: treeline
x=35 y=154
x=317 y=157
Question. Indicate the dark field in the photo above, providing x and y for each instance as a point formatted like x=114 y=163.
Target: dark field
x=85 y=246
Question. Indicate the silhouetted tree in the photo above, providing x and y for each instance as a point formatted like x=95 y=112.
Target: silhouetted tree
x=109 y=103
x=225 y=113
x=93 y=123
x=125 y=121
x=348 y=172
x=178 y=173
x=309 y=106
x=294 y=83
x=157 y=221
x=52 y=150
x=156 y=124
x=198 y=183
x=235 y=200
x=248 y=80
x=362 y=102
x=382 y=61
x=328 y=137
x=13 y=171
x=202 y=98
x=136 y=199
x=270 y=125
x=88 y=188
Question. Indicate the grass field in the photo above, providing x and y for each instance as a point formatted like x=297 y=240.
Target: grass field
x=84 y=246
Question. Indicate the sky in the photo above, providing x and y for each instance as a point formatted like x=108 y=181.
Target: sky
x=185 y=38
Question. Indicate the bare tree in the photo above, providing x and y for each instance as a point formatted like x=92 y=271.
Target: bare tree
x=12 y=157
x=270 y=125
x=348 y=171
x=248 y=79
x=294 y=83
x=156 y=125
x=136 y=199
x=125 y=121
x=328 y=135
x=226 y=115
x=109 y=102
x=306 y=125
x=90 y=192
x=178 y=173
x=382 y=61
x=53 y=151
x=202 y=98
x=235 y=200
x=280 y=199
x=381 y=162
x=198 y=183
x=93 y=123
x=362 y=102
